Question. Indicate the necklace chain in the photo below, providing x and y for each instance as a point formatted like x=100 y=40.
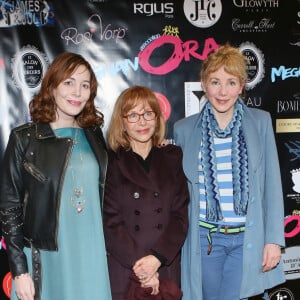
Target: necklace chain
x=77 y=197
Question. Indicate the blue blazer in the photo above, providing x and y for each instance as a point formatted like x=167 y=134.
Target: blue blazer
x=265 y=214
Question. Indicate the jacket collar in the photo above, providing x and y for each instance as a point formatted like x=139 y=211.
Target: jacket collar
x=134 y=171
x=94 y=136
x=43 y=131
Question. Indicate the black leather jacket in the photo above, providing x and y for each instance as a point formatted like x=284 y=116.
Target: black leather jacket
x=31 y=179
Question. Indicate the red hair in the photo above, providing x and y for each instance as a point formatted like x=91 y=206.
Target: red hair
x=43 y=106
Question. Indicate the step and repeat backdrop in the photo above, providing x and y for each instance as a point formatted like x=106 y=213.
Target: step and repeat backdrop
x=161 y=44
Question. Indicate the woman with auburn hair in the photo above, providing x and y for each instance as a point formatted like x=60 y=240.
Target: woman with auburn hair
x=145 y=202
x=51 y=190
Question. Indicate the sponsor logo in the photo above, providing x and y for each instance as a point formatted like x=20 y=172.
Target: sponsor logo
x=262 y=25
x=284 y=73
x=288 y=125
x=281 y=294
x=289 y=105
x=98 y=31
x=29 y=66
x=31 y=12
x=292 y=146
x=256 y=5
x=253 y=101
x=152 y=8
x=291 y=261
x=202 y=13
x=255 y=64
x=181 y=51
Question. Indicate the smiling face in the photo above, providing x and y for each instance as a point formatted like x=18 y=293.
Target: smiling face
x=222 y=90
x=70 y=96
x=140 y=133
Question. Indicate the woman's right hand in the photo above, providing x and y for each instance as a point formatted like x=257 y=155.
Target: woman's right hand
x=153 y=282
x=24 y=287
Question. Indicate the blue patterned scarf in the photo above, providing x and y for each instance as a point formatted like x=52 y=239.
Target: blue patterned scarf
x=210 y=130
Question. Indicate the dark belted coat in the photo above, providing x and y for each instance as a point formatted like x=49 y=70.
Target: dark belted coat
x=144 y=212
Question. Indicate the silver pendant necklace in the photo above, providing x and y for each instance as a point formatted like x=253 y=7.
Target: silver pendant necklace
x=77 y=197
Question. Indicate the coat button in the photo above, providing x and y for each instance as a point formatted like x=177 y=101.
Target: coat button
x=137 y=212
x=155 y=194
x=137 y=228
x=158 y=210
x=136 y=195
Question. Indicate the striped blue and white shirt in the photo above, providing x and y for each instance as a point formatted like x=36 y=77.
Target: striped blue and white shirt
x=224 y=180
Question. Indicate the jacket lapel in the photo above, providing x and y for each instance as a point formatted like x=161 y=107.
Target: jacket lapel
x=254 y=148
x=95 y=137
x=191 y=152
x=134 y=171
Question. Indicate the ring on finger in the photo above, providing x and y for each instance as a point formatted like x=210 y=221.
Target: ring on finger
x=142 y=277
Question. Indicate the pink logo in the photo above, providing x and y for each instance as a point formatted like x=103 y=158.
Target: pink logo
x=164 y=105
x=6 y=284
x=181 y=51
x=2 y=243
x=295 y=220
x=2 y=65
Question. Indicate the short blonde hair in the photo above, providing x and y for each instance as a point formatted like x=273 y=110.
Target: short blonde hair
x=231 y=58
x=128 y=99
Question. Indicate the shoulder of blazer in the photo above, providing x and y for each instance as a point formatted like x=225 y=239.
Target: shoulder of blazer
x=255 y=117
x=256 y=112
x=188 y=121
x=170 y=151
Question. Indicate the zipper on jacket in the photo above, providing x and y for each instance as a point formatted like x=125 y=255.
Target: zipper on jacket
x=59 y=190
x=36 y=173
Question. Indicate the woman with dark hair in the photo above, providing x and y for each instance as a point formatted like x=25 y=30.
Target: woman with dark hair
x=145 y=203
x=51 y=189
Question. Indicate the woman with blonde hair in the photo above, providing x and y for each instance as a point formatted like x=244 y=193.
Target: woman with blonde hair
x=236 y=232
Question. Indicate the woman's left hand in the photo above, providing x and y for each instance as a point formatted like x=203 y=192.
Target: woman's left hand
x=153 y=282
x=271 y=257
x=146 y=267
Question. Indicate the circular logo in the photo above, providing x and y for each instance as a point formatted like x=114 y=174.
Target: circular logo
x=29 y=66
x=281 y=293
x=203 y=13
x=164 y=105
x=6 y=284
x=255 y=64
